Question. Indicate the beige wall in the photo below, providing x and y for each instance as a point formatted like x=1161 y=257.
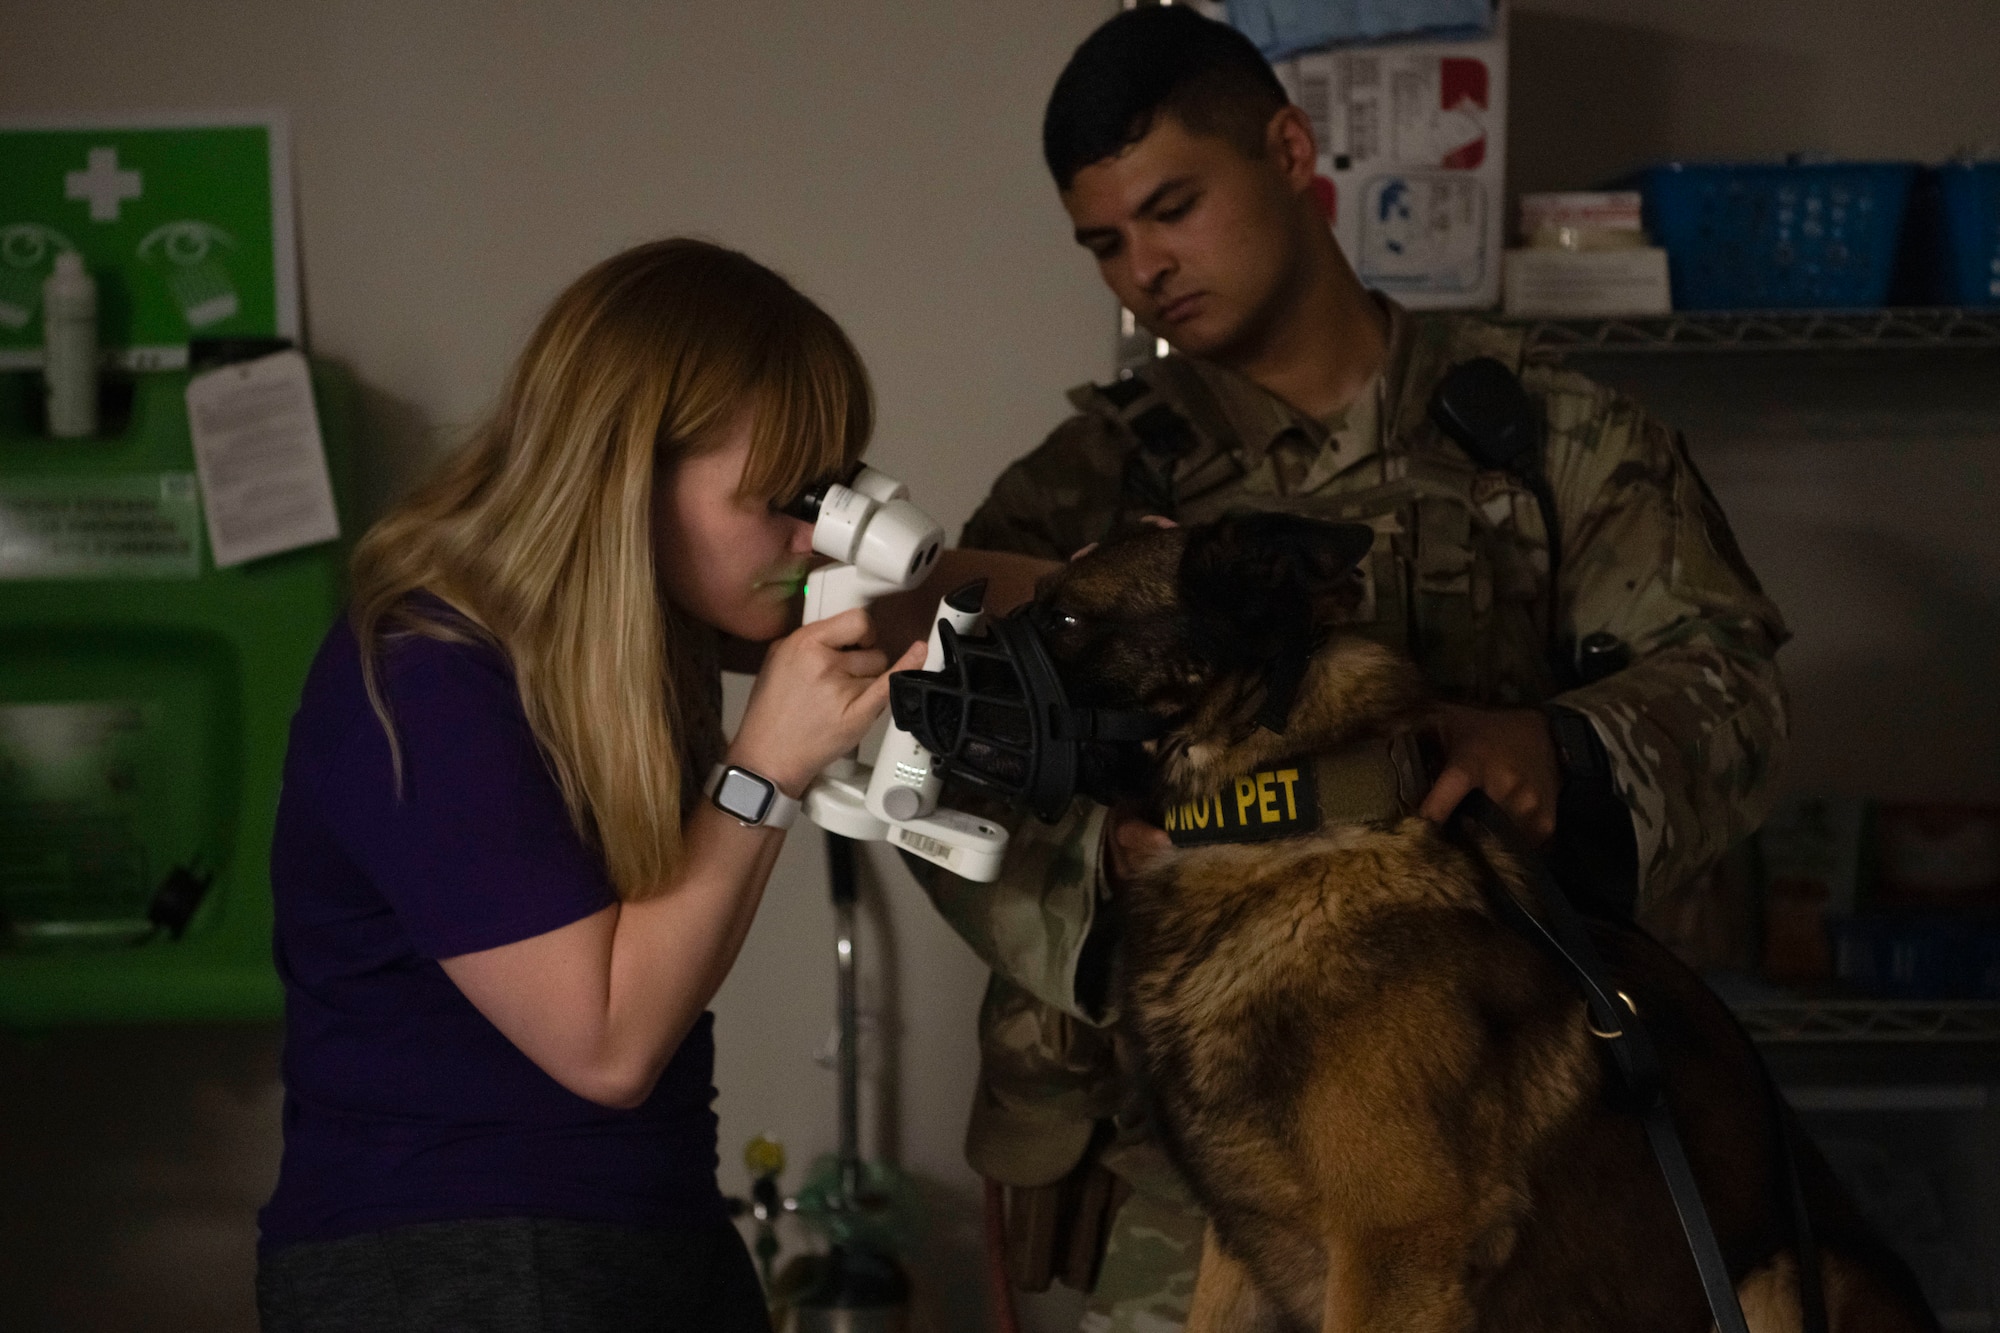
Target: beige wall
x=458 y=162
x=1602 y=86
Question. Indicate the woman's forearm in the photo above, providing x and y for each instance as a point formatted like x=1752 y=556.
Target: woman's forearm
x=602 y=1004
x=670 y=954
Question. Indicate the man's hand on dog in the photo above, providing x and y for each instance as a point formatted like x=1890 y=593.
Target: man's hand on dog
x=1505 y=752
x=1130 y=843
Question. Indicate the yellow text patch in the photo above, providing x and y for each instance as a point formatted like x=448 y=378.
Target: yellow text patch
x=1281 y=801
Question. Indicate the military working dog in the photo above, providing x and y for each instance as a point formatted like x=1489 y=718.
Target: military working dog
x=1390 y=1104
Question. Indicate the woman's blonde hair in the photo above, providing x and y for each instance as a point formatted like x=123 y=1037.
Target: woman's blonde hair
x=539 y=532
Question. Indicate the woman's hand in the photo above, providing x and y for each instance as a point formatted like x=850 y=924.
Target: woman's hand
x=822 y=686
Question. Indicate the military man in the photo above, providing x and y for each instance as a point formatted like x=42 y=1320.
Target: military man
x=1603 y=654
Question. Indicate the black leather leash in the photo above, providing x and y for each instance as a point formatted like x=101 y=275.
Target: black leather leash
x=1812 y=1290
x=1614 y=1018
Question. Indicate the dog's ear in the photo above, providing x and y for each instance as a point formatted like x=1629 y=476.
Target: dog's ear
x=1253 y=581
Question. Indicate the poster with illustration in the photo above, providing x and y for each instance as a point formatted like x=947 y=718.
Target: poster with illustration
x=1423 y=231
x=184 y=221
x=1412 y=172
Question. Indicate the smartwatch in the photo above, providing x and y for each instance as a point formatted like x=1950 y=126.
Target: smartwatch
x=751 y=798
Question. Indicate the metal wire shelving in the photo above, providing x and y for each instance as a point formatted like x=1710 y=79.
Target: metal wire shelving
x=1913 y=328
x=1848 y=1020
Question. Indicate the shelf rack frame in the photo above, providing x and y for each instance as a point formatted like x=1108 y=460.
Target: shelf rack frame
x=1898 y=1021
x=1922 y=328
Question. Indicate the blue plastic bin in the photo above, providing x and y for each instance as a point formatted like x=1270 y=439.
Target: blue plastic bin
x=1917 y=955
x=1953 y=239
x=1777 y=237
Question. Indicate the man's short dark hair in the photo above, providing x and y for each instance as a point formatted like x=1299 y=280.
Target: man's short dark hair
x=1148 y=60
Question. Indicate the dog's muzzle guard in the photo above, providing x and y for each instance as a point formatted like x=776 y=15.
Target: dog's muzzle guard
x=997 y=715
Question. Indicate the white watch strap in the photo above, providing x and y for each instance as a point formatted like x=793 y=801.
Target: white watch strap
x=782 y=812
x=779 y=814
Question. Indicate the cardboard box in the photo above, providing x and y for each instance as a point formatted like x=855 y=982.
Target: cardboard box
x=1412 y=143
x=1585 y=211
x=1811 y=853
x=1581 y=284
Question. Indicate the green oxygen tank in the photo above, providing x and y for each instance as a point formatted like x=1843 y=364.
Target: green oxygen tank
x=858 y=1291
x=858 y=1286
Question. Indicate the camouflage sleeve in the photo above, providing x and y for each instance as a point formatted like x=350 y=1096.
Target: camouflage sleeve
x=1033 y=924
x=1058 y=499
x=1696 y=726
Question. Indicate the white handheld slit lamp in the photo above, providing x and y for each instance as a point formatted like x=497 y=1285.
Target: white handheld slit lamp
x=881 y=543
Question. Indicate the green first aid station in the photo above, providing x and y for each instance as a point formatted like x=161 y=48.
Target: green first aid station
x=145 y=694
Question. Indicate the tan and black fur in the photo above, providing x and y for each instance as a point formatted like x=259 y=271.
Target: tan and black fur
x=1388 y=1102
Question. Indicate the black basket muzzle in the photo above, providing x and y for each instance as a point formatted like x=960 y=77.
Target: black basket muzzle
x=997 y=715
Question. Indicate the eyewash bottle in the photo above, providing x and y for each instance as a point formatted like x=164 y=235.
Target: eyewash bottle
x=69 y=347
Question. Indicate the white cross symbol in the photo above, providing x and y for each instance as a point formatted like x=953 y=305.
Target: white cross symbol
x=103 y=184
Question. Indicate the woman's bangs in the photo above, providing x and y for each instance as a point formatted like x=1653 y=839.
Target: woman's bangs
x=813 y=418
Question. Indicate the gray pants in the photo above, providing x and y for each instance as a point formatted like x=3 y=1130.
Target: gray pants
x=514 y=1275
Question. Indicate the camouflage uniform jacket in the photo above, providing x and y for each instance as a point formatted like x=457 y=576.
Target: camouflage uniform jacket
x=1694 y=727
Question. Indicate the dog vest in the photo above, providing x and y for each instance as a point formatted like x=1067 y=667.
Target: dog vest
x=1378 y=778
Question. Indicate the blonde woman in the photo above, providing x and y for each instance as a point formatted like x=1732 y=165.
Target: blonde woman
x=503 y=904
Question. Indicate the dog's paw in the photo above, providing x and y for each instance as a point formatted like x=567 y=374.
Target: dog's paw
x=1203 y=764
x=1194 y=768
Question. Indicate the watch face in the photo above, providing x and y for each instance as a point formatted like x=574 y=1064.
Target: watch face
x=744 y=795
